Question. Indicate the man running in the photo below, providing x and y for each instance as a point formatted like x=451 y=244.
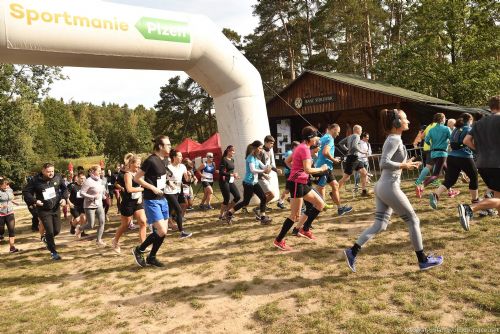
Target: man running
x=351 y=145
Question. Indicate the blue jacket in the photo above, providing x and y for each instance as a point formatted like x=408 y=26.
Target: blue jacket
x=438 y=138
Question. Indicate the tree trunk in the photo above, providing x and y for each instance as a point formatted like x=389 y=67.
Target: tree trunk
x=369 y=46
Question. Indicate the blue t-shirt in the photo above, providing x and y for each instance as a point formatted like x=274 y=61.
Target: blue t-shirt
x=249 y=176
x=438 y=137
x=327 y=139
x=464 y=152
x=286 y=155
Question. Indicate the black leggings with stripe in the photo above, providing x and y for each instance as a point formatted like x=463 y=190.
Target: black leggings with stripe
x=248 y=191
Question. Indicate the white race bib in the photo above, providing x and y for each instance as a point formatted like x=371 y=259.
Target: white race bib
x=136 y=195
x=186 y=191
x=78 y=195
x=161 y=182
x=255 y=178
x=207 y=176
x=231 y=179
x=49 y=193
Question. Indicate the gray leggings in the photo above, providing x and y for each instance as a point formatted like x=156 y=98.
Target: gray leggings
x=389 y=197
x=90 y=214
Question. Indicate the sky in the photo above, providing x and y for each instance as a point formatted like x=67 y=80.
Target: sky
x=134 y=87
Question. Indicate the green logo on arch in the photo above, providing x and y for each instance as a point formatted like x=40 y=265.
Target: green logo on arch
x=164 y=30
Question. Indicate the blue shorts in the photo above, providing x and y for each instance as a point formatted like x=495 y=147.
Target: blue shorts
x=326 y=178
x=156 y=210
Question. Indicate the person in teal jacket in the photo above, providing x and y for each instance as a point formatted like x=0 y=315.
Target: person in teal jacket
x=438 y=138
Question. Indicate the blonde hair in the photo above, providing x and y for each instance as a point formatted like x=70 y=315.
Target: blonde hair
x=94 y=168
x=131 y=158
x=357 y=128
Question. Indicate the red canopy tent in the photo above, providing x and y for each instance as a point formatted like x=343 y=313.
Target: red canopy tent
x=212 y=144
x=188 y=147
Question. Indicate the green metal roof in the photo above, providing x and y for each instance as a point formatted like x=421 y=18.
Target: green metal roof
x=379 y=86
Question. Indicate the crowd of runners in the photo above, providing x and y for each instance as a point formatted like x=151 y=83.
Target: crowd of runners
x=158 y=191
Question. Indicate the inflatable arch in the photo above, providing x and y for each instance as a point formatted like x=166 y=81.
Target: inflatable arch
x=109 y=35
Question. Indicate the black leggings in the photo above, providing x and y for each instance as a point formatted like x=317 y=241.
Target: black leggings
x=227 y=189
x=10 y=221
x=439 y=164
x=52 y=223
x=173 y=204
x=248 y=191
x=454 y=166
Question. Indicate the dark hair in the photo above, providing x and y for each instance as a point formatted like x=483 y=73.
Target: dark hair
x=158 y=142
x=463 y=119
x=173 y=154
x=332 y=126
x=438 y=118
x=364 y=134
x=494 y=103
x=81 y=173
x=269 y=139
x=387 y=117
x=227 y=150
x=47 y=165
x=253 y=146
x=309 y=132
x=188 y=163
x=4 y=181
x=295 y=144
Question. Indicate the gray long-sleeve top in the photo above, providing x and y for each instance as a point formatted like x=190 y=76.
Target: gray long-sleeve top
x=393 y=155
x=351 y=144
x=6 y=197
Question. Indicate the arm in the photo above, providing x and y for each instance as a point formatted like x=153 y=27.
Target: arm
x=83 y=191
x=128 y=184
x=418 y=138
x=355 y=145
x=202 y=166
x=139 y=179
x=28 y=193
x=428 y=139
x=469 y=141
x=326 y=154
x=255 y=170
x=342 y=144
x=307 y=164
x=223 y=167
x=288 y=161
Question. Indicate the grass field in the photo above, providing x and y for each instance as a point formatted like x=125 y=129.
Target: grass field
x=230 y=279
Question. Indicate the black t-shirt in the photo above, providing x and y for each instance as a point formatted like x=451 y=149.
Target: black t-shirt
x=226 y=169
x=74 y=190
x=155 y=173
x=487 y=141
x=126 y=196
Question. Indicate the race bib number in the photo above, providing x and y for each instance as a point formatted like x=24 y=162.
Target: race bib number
x=208 y=176
x=136 y=195
x=255 y=178
x=49 y=193
x=161 y=182
x=78 y=195
x=231 y=179
x=185 y=191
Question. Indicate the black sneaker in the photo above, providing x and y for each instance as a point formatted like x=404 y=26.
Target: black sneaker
x=295 y=232
x=83 y=235
x=138 y=257
x=55 y=256
x=14 y=250
x=228 y=217
x=152 y=261
x=256 y=212
x=72 y=230
x=281 y=205
x=265 y=220
x=465 y=213
x=185 y=235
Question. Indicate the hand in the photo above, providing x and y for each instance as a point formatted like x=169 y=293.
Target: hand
x=266 y=176
x=71 y=206
x=39 y=203
x=280 y=172
x=336 y=160
x=411 y=164
x=236 y=176
x=157 y=191
x=62 y=202
x=268 y=169
x=324 y=168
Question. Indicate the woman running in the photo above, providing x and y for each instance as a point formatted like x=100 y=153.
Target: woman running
x=438 y=138
x=459 y=159
x=7 y=213
x=388 y=193
x=131 y=197
x=187 y=185
x=251 y=186
x=300 y=163
x=75 y=202
x=227 y=176
x=176 y=171
x=207 y=171
x=93 y=191
x=286 y=192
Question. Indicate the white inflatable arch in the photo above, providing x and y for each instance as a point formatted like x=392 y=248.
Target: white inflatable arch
x=108 y=35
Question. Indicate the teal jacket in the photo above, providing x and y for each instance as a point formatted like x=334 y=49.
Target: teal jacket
x=438 y=138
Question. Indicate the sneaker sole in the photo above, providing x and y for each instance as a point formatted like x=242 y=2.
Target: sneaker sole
x=345 y=212
x=432 y=202
x=305 y=236
x=463 y=221
x=347 y=261
x=434 y=266
x=281 y=248
x=135 y=259
x=187 y=236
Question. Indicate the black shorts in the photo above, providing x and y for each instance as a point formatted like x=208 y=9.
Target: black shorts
x=8 y=220
x=352 y=163
x=206 y=184
x=428 y=159
x=297 y=190
x=181 y=198
x=491 y=176
x=128 y=209
x=76 y=211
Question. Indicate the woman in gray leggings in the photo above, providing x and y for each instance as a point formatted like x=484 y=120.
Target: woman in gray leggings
x=390 y=197
x=92 y=192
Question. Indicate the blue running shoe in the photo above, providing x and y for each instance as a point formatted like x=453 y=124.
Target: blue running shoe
x=433 y=200
x=465 y=213
x=432 y=261
x=351 y=259
x=55 y=256
x=344 y=209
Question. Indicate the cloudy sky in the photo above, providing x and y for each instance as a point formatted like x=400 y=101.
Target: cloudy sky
x=136 y=87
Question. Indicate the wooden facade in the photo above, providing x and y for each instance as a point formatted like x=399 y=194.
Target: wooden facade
x=352 y=105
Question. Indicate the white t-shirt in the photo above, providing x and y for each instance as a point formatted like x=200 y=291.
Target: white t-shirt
x=176 y=179
x=365 y=147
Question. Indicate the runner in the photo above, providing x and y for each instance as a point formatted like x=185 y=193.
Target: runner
x=227 y=176
x=267 y=158
x=251 y=184
x=438 y=138
x=459 y=159
x=429 y=164
x=176 y=171
x=106 y=202
x=152 y=176
x=75 y=202
x=326 y=156
x=289 y=151
x=364 y=144
x=485 y=140
x=300 y=163
x=187 y=185
x=47 y=192
x=7 y=213
x=92 y=192
x=131 y=197
x=388 y=193
x=207 y=170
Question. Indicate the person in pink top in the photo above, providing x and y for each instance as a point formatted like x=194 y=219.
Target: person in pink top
x=300 y=163
x=92 y=192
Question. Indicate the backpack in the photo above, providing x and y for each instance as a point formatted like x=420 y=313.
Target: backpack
x=457 y=140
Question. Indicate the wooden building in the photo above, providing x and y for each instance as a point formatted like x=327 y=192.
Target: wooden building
x=322 y=98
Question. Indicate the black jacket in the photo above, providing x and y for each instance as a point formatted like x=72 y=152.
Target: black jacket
x=36 y=187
